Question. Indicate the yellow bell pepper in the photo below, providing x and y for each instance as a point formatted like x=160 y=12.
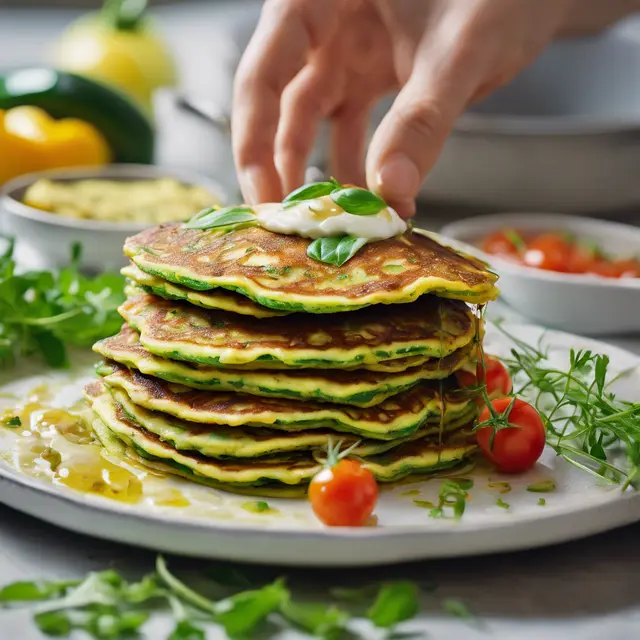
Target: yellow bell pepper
x=30 y=140
x=118 y=46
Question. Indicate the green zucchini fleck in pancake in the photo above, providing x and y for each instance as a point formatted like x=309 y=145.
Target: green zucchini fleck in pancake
x=275 y=271
x=420 y=456
x=221 y=441
x=396 y=417
x=220 y=299
x=430 y=326
x=357 y=388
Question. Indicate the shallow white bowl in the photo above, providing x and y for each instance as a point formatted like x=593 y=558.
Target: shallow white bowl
x=44 y=239
x=584 y=304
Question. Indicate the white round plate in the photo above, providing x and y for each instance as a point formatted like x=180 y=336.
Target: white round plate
x=216 y=525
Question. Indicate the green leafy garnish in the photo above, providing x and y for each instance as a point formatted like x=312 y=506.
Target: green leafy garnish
x=502 y=504
x=213 y=218
x=516 y=240
x=586 y=424
x=44 y=312
x=457 y=608
x=14 y=422
x=396 y=602
x=357 y=201
x=106 y=606
x=336 y=250
x=542 y=502
x=453 y=496
x=546 y=486
x=311 y=191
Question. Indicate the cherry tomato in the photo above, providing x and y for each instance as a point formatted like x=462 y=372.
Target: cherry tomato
x=500 y=244
x=628 y=268
x=514 y=449
x=580 y=260
x=493 y=374
x=548 y=251
x=604 y=269
x=344 y=495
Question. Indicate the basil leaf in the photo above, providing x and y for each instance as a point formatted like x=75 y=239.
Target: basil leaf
x=335 y=250
x=54 y=623
x=396 y=602
x=359 y=202
x=314 y=618
x=38 y=590
x=310 y=191
x=185 y=630
x=242 y=613
x=217 y=218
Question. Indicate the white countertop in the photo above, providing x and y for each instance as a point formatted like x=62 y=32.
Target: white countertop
x=585 y=590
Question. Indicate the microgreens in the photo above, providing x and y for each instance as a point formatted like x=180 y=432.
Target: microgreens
x=586 y=424
x=44 y=312
x=105 y=605
x=334 y=453
x=452 y=495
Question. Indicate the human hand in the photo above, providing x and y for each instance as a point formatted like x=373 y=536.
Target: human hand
x=315 y=59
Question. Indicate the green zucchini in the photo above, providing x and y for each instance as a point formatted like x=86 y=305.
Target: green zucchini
x=65 y=95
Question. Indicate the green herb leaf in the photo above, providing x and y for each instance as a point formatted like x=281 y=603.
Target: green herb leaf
x=54 y=623
x=542 y=502
x=38 y=590
x=453 y=496
x=396 y=602
x=544 y=486
x=502 y=504
x=219 y=218
x=44 y=312
x=464 y=483
x=336 y=250
x=457 y=608
x=14 y=422
x=311 y=191
x=359 y=202
x=181 y=590
x=242 y=613
x=116 y=624
x=185 y=630
x=316 y=619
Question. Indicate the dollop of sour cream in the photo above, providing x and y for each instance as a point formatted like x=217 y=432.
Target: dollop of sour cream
x=322 y=217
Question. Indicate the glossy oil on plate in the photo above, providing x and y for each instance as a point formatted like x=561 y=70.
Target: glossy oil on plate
x=177 y=516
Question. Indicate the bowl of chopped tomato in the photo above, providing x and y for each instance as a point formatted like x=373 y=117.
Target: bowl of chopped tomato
x=567 y=272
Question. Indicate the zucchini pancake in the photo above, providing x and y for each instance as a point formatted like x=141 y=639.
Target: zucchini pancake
x=254 y=340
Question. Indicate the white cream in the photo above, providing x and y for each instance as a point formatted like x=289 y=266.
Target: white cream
x=322 y=217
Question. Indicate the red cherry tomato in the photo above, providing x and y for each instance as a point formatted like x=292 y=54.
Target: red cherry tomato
x=514 y=449
x=493 y=374
x=604 y=269
x=579 y=260
x=500 y=244
x=628 y=268
x=548 y=251
x=344 y=495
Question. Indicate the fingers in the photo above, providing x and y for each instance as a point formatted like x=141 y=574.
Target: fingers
x=287 y=32
x=412 y=134
x=310 y=96
x=348 y=140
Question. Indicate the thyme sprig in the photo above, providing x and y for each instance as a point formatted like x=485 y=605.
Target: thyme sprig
x=587 y=424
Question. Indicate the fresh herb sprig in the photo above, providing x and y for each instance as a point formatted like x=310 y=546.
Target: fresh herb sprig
x=452 y=495
x=106 y=605
x=586 y=423
x=214 y=218
x=335 y=250
x=43 y=312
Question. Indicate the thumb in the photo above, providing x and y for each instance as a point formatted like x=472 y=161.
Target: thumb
x=410 y=138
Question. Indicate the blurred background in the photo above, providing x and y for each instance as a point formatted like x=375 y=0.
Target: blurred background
x=564 y=137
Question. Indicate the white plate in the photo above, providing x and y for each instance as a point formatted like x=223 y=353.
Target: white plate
x=586 y=304
x=216 y=525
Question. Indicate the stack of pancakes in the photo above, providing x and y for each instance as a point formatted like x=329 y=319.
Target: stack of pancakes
x=241 y=358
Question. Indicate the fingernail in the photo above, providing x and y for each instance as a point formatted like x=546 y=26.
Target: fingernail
x=398 y=179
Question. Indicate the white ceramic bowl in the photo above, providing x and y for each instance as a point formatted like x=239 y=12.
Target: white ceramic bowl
x=584 y=304
x=44 y=239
